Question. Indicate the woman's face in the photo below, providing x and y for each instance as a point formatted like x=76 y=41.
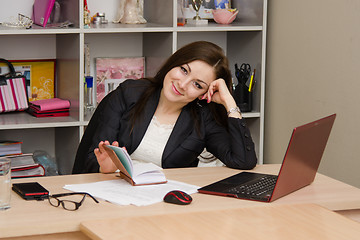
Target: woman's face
x=187 y=82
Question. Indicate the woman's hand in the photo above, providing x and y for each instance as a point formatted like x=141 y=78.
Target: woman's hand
x=104 y=160
x=219 y=93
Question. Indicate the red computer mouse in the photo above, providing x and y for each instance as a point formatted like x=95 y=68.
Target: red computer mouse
x=177 y=197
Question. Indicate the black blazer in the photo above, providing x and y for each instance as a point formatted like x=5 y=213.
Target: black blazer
x=234 y=148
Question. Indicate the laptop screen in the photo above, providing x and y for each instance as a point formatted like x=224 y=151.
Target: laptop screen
x=303 y=156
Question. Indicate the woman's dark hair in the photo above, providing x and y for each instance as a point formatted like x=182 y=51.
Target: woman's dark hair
x=200 y=50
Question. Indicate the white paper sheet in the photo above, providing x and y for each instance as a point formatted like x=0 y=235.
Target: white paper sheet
x=121 y=192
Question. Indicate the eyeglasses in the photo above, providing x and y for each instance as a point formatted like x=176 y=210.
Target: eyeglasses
x=68 y=204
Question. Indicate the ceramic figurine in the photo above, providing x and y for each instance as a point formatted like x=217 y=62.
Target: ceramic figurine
x=131 y=12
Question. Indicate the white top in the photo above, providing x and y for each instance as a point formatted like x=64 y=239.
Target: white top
x=153 y=143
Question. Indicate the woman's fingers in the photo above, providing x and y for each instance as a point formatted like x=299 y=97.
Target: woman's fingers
x=97 y=152
x=105 y=162
x=213 y=89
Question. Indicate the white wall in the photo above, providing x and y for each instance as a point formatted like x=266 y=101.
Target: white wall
x=313 y=64
x=13 y=7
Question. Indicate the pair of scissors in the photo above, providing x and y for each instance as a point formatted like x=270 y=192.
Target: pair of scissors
x=242 y=73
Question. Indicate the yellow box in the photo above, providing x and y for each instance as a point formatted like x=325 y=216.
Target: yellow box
x=39 y=74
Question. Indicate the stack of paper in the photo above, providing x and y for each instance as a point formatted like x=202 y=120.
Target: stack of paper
x=121 y=192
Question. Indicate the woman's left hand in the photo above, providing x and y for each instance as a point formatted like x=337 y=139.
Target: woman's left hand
x=219 y=93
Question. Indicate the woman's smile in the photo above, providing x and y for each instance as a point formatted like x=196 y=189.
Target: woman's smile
x=175 y=90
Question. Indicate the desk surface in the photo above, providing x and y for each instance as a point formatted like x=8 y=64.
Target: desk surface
x=38 y=217
x=296 y=222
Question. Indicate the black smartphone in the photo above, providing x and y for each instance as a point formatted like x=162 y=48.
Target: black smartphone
x=30 y=190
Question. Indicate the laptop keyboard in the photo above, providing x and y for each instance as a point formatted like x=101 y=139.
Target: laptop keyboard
x=261 y=186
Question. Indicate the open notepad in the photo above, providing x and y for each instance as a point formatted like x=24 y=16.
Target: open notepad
x=136 y=174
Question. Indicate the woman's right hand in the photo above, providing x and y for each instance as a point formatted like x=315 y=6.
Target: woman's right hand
x=104 y=160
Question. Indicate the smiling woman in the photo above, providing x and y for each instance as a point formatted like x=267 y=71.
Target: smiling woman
x=190 y=81
x=169 y=119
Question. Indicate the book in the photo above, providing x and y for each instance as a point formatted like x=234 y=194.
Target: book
x=24 y=165
x=135 y=174
x=48 y=113
x=30 y=172
x=10 y=148
x=49 y=104
x=22 y=161
x=110 y=72
x=41 y=11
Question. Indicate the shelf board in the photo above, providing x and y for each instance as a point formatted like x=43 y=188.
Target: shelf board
x=118 y=27
x=251 y=114
x=128 y=28
x=36 y=30
x=22 y=120
x=214 y=27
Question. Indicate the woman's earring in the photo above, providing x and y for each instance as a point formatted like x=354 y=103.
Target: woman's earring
x=198 y=103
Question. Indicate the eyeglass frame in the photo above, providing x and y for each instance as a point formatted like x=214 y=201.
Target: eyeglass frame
x=77 y=204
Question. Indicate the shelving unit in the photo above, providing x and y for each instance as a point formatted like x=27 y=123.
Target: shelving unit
x=243 y=41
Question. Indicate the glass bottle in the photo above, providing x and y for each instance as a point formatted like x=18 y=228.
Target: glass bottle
x=89 y=96
x=180 y=13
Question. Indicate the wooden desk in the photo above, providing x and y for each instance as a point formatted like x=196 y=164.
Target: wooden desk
x=257 y=223
x=39 y=217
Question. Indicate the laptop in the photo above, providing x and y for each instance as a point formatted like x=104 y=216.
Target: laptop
x=298 y=169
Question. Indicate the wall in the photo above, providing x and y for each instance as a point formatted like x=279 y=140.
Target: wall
x=313 y=64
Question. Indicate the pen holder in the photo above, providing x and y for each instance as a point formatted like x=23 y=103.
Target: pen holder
x=243 y=97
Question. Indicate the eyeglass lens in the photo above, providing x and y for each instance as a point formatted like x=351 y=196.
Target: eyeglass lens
x=68 y=204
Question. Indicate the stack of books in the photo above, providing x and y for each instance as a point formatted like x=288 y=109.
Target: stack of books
x=54 y=107
x=10 y=148
x=24 y=166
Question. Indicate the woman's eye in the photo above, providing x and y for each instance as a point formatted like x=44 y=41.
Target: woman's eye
x=184 y=70
x=197 y=85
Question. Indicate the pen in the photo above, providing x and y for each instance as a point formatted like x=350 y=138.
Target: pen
x=252 y=83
